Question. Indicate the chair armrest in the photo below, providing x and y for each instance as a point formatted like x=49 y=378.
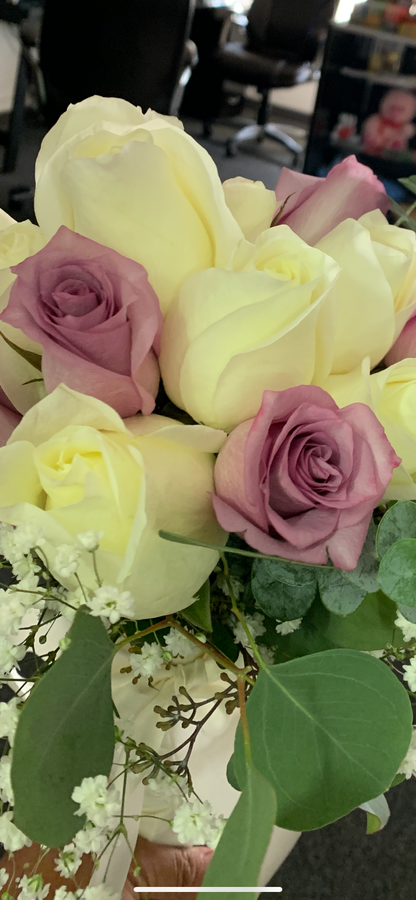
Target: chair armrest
x=190 y=56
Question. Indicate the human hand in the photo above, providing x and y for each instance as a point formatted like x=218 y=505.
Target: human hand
x=163 y=865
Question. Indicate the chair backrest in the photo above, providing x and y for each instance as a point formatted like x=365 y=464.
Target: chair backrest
x=131 y=49
x=289 y=28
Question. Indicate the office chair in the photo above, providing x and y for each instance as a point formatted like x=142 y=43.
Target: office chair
x=282 y=41
x=134 y=49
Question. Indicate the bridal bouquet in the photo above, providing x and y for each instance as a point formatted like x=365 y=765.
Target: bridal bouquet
x=207 y=498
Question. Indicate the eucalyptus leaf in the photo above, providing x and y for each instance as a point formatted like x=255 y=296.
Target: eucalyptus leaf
x=365 y=573
x=329 y=732
x=397 y=573
x=398 y=522
x=33 y=358
x=409 y=182
x=378 y=813
x=409 y=613
x=65 y=733
x=281 y=591
x=370 y=627
x=338 y=594
x=198 y=613
x=244 y=841
x=405 y=220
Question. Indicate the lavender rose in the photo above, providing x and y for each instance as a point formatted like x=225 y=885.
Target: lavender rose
x=96 y=317
x=302 y=478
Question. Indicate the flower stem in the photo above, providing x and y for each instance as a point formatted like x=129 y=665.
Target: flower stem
x=239 y=614
x=211 y=651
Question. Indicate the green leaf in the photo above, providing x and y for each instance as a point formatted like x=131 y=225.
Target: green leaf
x=378 y=813
x=365 y=574
x=409 y=612
x=409 y=183
x=397 y=573
x=231 y=775
x=244 y=841
x=396 y=780
x=282 y=590
x=398 y=522
x=65 y=733
x=370 y=627
x=223 y=640
x=337 y=594
x=329 y=733
x=404 y=219
x=33 y=358
x=199 y=612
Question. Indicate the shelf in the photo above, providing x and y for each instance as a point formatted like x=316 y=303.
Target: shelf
x=390 y=79
x=376 y=34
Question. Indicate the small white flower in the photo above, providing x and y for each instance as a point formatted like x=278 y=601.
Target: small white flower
x=148 y=661
x=98 y=892
x=15 y=543
x=76 y=599
x=32 y=888
x=410 y=675
x=288 y=627
x=91 y=839
x=9 y=717
x=266 y=653
x=255 y=626
x=6 y=790
x=12 y=610
x=98 y=802
x=408 y=628
x=236 y=585
x=108 y=601
x=28 y=592
x=10 y=654
x=66 y=560
x=171 y=787
x=178 y=644
x=25 y=566
x=376 y=653
x=408 y=766
x=10 y=836
x=63 y=894
x=4 y=877
x=68 y=861
x=90 y=540
x=194 y=823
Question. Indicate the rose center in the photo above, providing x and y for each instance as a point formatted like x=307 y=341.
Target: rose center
x=74 y=297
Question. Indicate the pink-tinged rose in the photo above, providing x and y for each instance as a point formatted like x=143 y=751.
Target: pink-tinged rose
x=302 y=478
x=405 y=346
x=96 y=317
x=9 y=419
x=317 y=205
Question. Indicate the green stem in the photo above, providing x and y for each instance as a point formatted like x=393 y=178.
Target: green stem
x=211 y=651
x=239 y=614
x=244 y=720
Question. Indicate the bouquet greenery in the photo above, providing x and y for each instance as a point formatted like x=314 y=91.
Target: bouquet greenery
x=207 y=498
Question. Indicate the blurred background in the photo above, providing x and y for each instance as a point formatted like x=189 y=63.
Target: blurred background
x=261 y=85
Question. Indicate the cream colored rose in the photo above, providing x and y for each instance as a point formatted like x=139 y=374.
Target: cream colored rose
x=376 y=287
x=73 y=464
x=18 y=240
x=267 y=324
x=252 y=205
x=139 y=184
x=392 y=395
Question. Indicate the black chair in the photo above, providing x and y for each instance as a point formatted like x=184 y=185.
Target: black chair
x=134 y=49
x=282 y=41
